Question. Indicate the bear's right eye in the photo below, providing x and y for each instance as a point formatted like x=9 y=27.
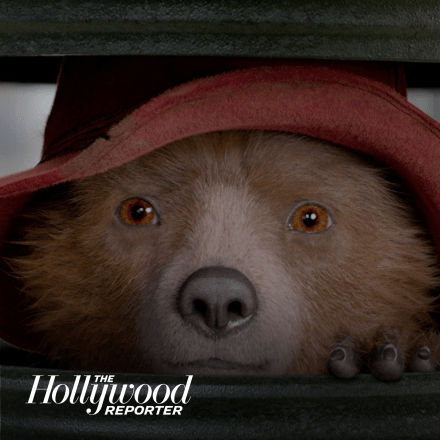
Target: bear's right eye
x=138 y=212
x=309 y=218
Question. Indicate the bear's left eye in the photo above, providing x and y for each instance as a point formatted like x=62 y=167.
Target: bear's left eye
x=309 y=218
x=138 y=212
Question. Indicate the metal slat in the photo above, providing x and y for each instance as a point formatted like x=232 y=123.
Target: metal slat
x=282 y=407
x=402 y=30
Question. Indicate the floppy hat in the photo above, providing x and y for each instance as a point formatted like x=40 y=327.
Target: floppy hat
x=108 y=111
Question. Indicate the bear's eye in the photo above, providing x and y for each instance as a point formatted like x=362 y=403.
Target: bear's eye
x=138 y=212
x=309 y=218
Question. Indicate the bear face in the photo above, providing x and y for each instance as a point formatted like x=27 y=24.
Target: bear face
x=227 y=253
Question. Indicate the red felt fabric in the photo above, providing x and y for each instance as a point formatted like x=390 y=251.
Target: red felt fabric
x=359 y=105
x=95 y=92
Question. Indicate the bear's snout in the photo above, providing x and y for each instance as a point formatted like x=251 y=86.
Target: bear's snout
x=217 y=300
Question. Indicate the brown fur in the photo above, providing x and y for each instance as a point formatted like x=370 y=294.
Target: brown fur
x=104 y=293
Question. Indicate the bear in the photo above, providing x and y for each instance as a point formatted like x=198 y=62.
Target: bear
x=242 y=252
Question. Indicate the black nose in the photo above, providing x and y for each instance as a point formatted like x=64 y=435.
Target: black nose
x=217 y=298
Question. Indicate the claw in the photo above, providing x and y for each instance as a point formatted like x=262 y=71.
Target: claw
x=387 y=363
x=422 y=362
x=342 y=362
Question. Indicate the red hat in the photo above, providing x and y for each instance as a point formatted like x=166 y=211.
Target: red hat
x=108 y=111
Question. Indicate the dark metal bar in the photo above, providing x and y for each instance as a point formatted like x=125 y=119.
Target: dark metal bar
x=402 y=30
x=282 y=407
